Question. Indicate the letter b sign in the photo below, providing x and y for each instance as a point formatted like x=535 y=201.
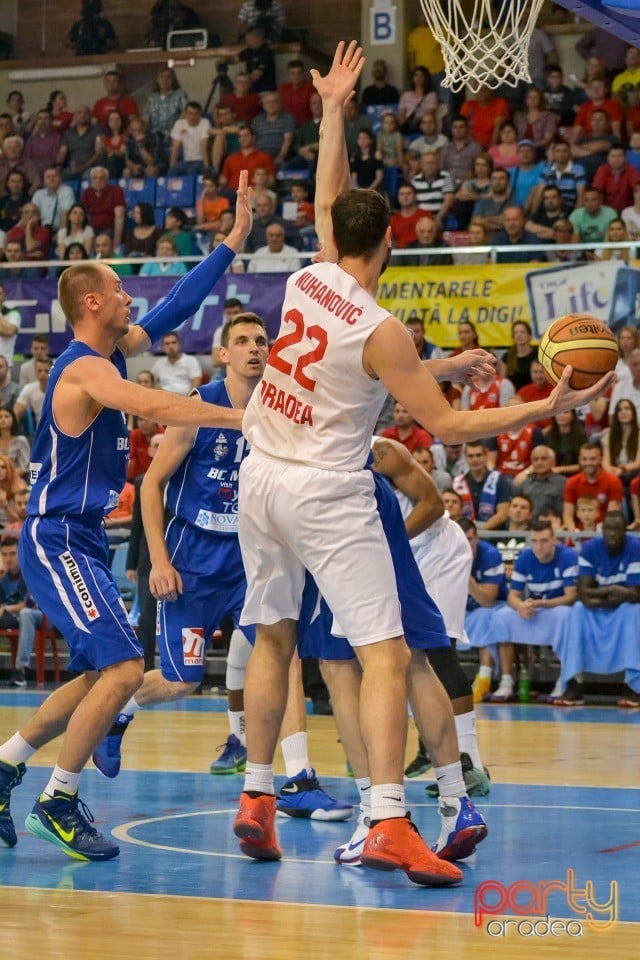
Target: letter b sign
x=383 y=23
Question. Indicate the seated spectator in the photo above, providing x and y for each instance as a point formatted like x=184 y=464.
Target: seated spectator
x=43 y=145
x=477 y=236
x=441 y=478
x=486 y=114
x=430 y=139
x=487 y=594
x=91 y=34
x=223 y=135
x=403 y=223
x=167 y=15
x=13 y=599
x=38 y=350
x=268 y=14
x=598 y=100
x=13 y=199
x=590 y=222
x=515 y=447
x=78 y=153
x=14 y=253
x=175 y=227
x=602 y=634
x=434 y=189
x=628 y=388
x=592 y=480
x=485 y=394
x=628 y=79
x=258 y=60
x=505 y=152
x=633 y=153
x=457 y=157
x=485 y=493
x=210 y=204
x=141 y=239
x=103 y=250
x=164 y=107
x=263 y=218
x=118 y=521
x=540 y=484
x=406 y=431
x=176 y=371
x=417 y=101
x=354 y=122
x=565 y=436
x=616 y=232
x=261 y=187
x=452 y=504
x=634 y=490
x=246 y=158
x=367 y=169
x=424 y=349
x=77 y=230
x=245 y=105
x=592 y=151
x=562 y=172
x=76 y=251
x=275 y=256
x=616 y=179
x=105 y=205
x=525 y=176
x=538 y=389
x=515 y=235
x=474 y=188
x=305 y=214
x=427 y=236
x=189 y=142
x=621 y=443
x=54 y=200
x=541 y=594
x=13 y=159
x=631 y=215
x=12 y=444
x=551 y=210
x=490 y=208
x=558 y=98
x=31 y=396
x=520 y=355
x=389 y=142
x=274 y=129
x=164 y=266
x=628 y=340
x=115 y=99
x=296 y=91
x=380 y=92
x=6 y=128
x=61 y=118
x=30 y=232
x=139 y=441
x=587 y=514
x=20 y=118
x=9 y=389
x=536 y=122
x=10 y=482
x=111 y=145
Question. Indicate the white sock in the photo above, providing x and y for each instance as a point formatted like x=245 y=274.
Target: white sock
x=468 y=737
x=485 y=672
x=259 y=777
x=130 y=708
x=364 y=789
x=16 y=750
x=387 y=800
x=450 y=780
x=295 y=751
x=62 y=780
x=506 y=680
x=236 y=725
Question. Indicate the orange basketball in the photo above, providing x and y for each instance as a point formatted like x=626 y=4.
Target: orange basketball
x=582 y=341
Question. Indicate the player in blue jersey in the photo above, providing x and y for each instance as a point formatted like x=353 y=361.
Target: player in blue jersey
x=78 y=468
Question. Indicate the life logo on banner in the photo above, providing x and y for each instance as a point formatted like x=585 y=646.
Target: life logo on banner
x=193 y=646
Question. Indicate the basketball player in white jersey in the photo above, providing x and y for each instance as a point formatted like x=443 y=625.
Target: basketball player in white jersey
x=307 y=502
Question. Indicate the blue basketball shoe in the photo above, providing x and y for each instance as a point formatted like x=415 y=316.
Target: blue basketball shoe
x=66 y=821
x=463 y=828
x=302 y=796
x=10 y=776
x=233 y=758
x=107 y=756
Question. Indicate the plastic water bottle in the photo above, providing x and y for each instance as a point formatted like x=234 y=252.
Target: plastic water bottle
x=524 y=686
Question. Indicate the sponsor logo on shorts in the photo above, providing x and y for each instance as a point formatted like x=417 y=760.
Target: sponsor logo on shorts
x=193 y=646
x=79 y=586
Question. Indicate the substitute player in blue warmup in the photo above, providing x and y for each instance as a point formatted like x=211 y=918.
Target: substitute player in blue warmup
x=78 y=469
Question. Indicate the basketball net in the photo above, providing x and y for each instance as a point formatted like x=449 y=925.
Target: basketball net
x=489 y=47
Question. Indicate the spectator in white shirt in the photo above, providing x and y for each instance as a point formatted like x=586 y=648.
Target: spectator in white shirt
x=189 y=138
x=176 y=371
x=54 y=200
x=631 y=215
x=276 y=257
x=31 y=397
x=10 y=320
x=39 y=351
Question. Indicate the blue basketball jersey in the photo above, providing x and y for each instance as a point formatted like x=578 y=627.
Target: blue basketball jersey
x=84 y=475
x=545 y=581
x=621 y=568
x=488 y=567
x=204 y=489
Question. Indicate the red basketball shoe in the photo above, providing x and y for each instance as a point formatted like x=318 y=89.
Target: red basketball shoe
x=255 y=826
x=397 y=845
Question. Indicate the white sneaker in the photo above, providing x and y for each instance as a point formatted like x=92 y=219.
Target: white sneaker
x=349 y=853
x=504 y=693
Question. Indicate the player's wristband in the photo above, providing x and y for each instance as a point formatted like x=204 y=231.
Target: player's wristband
x=187 y=295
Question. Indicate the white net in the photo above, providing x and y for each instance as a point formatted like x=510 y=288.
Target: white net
x=483 y=42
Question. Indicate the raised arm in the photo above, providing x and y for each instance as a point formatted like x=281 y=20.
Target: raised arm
x=333 y=175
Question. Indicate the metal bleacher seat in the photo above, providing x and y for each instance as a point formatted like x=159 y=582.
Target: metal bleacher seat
x=175 y=191
x=138 y=190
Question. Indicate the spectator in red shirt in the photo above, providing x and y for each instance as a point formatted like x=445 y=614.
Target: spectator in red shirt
x=296 y=92
x=139 y=439
x=598 y=100
x=485 y=114
x=116 y=99
x=406 y=431
x=616 y=179
x=592 y=481
x=246 y=158
x=403 y=223
x=538 y=389
x=105 y=205
x=30 y=232
x=244 y=104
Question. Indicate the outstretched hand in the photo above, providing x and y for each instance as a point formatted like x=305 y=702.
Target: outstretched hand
x=244 y=214
x=565 y=398
x=339 y=83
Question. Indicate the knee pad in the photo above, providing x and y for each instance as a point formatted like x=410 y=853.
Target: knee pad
x=448 y=670
x=237 y=660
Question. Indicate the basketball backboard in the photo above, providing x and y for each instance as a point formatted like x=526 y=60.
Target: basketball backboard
x=607 y=15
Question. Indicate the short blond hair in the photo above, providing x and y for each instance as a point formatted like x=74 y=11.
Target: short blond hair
x=75 y=283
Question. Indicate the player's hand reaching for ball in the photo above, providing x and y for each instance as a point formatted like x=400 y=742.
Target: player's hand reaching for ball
x=165 y=582
x=339 y=83
x=563 y=398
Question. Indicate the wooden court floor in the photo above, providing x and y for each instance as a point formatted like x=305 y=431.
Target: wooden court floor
x=566 y=797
